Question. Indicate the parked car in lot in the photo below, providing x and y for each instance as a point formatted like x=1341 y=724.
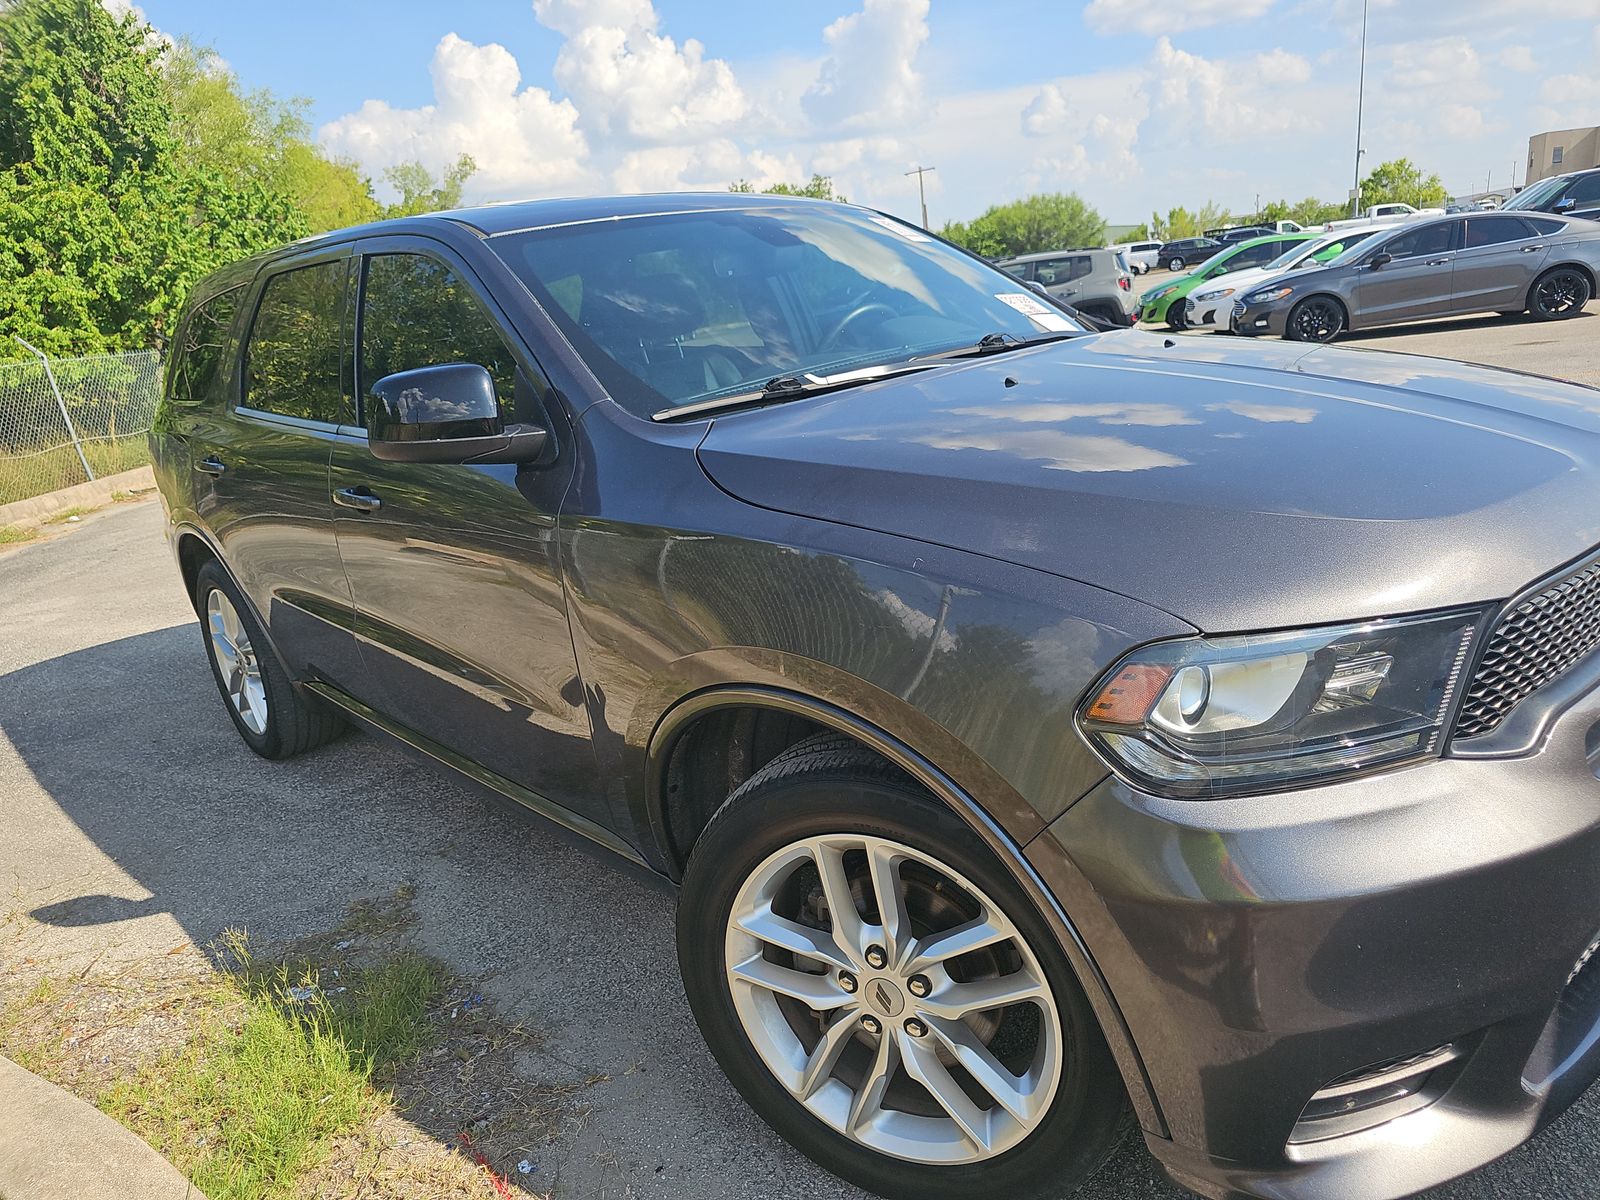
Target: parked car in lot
x=1444 y=266
x=1095 y=282
x=1166 y=301
x=815 y=566
x=1176 y=255
x=1396 y=213
x=1210 y=306
x=1140 y=256
x=1576 y=194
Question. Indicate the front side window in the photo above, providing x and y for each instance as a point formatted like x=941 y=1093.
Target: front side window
x=1427 y=239
x=1492 y=231
x=201 y=346
x=1055 y=271
x=292 y=362
x=679 y=308
x=417 y=312
x=1585 y=190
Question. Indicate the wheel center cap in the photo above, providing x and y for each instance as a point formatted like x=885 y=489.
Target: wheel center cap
x=886 y=998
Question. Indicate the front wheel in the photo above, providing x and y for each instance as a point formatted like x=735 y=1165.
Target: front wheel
x=884 y=994
x=1559 y=294
x=1177 y=315
x=1175 y=264
x=1315 y=319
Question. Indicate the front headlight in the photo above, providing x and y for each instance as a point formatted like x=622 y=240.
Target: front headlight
x=1153 y=296
x=1208 y=717
x=1268 y=295
x=1218 y=294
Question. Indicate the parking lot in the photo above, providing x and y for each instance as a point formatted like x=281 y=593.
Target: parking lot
x=136 y=820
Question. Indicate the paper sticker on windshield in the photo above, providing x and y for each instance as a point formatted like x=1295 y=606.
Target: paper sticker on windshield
x=899 y=230
x=1037 y=311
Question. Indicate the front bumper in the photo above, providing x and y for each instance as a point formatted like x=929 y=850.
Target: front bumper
x=1254 y=319
x=1213 y=314
x=1261 y=949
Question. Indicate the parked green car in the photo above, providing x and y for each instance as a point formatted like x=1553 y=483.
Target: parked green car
x=1165 y=301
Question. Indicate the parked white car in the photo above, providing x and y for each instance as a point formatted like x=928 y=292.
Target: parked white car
x=1140 y=256
x=1211 y=307
x=1391 y=214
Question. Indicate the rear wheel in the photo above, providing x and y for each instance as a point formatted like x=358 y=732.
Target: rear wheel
x=884 y=994
x=1315 y=319
x=1175 y=264
x=275 y=718
x=1559 y=294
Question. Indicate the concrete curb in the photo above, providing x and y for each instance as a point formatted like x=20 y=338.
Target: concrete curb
x=36 y=510
x=54 y=1146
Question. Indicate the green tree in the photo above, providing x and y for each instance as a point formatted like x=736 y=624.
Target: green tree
x=257 y=137
x=421 y=193
x=1400 y=181
x=1051 y=221
x=1181 y=223
x=105 y=220
x=819 y=188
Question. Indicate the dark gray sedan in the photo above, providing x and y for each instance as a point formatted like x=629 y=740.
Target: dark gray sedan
x=1448 y=266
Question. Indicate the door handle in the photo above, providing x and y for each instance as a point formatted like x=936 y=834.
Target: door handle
x=210 y=465
x=1529 y=249
x=1436 y=262
x=358 y=498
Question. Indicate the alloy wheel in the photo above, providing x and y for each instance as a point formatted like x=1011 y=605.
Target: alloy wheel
x=236 y=661
x=893 y=999
x=1316 y=321
x=1560 y=293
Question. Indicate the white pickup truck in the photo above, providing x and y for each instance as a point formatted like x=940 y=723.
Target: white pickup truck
x=1387 y=213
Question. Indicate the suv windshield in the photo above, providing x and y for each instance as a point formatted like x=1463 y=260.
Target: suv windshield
x=1536 y=194
x=677 y=309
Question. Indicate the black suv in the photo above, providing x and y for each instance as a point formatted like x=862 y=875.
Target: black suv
x=1051 y=731
x=1185 y=252
x=1572 y=195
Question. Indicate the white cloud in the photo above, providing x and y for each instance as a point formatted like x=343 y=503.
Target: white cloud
x=1436 y=62
x=1152 y=20
x=1520 y=58
x=1280 y=66
x=1046 y=113
x=1191 y=92
x=631 y=82
x=522 y=139
x=1461 y=121
x=1560 y=90
x=869 y=79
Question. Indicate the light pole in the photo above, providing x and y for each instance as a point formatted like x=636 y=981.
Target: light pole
x=1361 y=95
x=922 y=195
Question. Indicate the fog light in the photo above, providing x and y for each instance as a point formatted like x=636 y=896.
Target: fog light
x=1375 y=1094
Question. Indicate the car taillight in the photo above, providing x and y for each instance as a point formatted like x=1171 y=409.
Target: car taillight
x=1123 y=283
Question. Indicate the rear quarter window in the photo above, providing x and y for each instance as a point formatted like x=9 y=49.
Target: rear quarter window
x=201 y=347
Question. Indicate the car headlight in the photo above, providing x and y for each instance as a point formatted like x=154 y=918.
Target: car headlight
x=1218 y=294
x=1268 y=295
x=1217 y=716
x=1152 y=297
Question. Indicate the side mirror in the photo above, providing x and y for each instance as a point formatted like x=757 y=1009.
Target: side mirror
x=445 y=414
x=1035 y=286
x=1380 y=260
x=1561 y=206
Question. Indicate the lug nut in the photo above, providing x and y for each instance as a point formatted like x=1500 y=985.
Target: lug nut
x=847 y=981
x=916 y=1028
x=870 y=1024
x=918 y=985
x=876 y=958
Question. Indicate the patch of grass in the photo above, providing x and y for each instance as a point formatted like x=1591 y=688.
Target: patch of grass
x=66 y=514
x=286 y=1062
x=35 y=474
x=15 y=534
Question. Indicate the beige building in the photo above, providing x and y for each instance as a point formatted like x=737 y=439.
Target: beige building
x=1562 y=150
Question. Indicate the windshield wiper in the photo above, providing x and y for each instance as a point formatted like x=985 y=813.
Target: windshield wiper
x=998 y=343
x=792 y=387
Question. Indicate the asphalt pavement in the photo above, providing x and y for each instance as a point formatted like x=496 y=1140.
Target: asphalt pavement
x=136 y=818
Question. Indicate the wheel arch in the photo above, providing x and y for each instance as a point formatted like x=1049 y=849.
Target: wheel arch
x=679 y=724
x=194 y=549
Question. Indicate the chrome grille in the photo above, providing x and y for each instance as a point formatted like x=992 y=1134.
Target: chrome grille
x=1538 y=639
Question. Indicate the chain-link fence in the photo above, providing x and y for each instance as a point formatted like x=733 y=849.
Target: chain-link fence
x=68 y=420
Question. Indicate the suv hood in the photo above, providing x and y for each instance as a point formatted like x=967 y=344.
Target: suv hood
x=1237 y=485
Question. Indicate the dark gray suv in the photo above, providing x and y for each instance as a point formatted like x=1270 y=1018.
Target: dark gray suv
x=1052 y=732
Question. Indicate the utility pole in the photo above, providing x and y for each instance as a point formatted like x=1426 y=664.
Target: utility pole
x=1361 y=95
x=921 y=194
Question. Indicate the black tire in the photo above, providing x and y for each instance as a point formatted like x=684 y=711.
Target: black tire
x=1315 y=319
x=1177 y=314
x=296 y=721
x=1559 y=294
x=830 y=785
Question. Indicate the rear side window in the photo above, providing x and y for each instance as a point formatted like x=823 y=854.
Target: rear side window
x=202 y=346
x=1054 y=271
x=1492 y=231
x=292 y=363
x=417 y=312
x=1546 y=226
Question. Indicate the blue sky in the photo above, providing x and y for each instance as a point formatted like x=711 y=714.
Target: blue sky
x=1135 y=105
